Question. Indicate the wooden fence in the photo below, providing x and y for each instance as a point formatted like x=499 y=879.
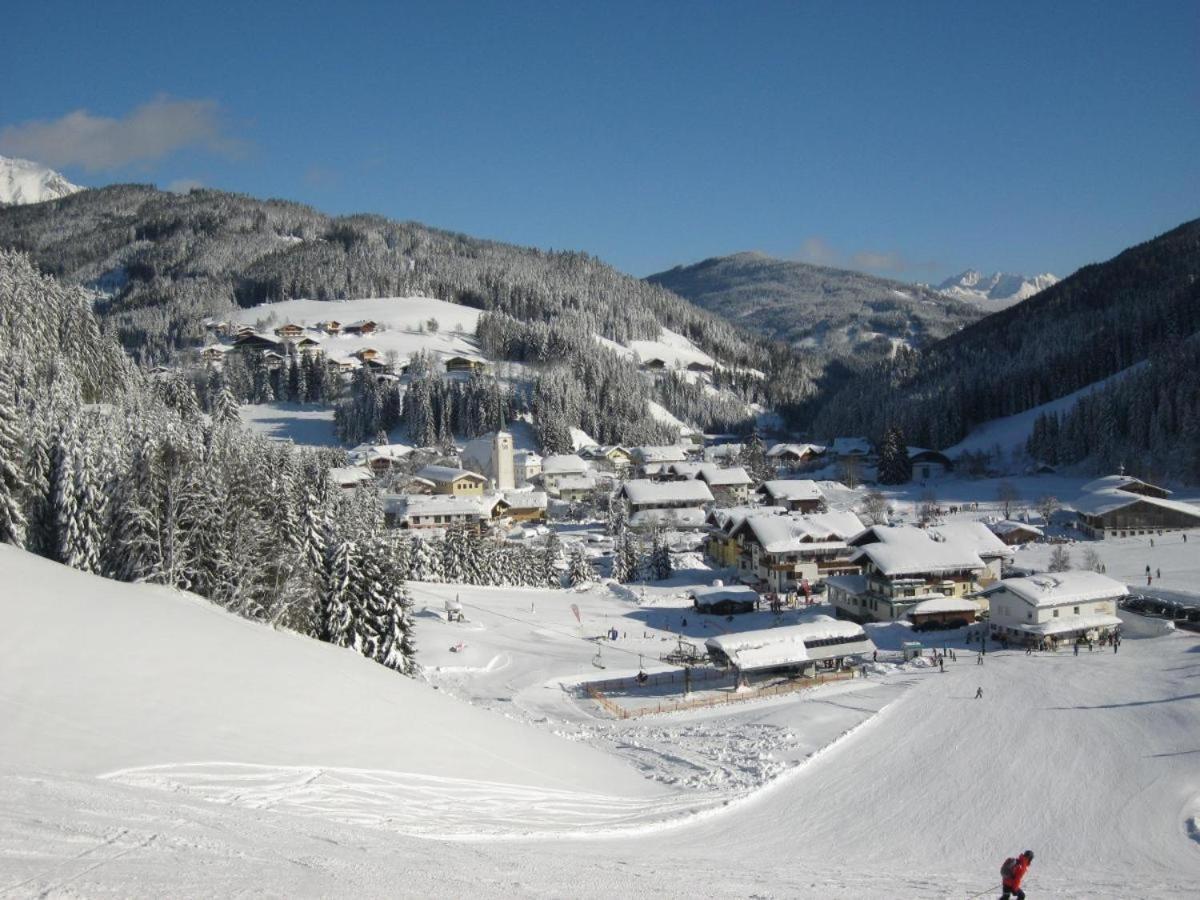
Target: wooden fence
x=596 y=691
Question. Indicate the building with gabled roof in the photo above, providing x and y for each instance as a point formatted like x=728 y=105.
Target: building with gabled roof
x=443 y=510
x=729 y=486
x=794 y=454
x=796 y=494
x=903 y=566
x=821 y=644
x=1013 y=533
x=784 y=552
x=492 y=455
x=1114 y=512
x=454 y=481
x=672 y=503
x=1055 y=606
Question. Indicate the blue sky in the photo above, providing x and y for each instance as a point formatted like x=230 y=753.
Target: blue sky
x=908 y=139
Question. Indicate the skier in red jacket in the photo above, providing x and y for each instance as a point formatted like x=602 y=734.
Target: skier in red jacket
x=1011 y=874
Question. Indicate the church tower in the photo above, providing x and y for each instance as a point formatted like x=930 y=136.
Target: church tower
x=502 y=460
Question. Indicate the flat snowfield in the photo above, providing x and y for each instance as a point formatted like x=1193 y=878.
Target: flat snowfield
x=155 y=746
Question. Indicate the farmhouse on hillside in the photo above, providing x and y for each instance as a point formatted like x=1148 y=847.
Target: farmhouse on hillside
x=676 y=503
x=1121 y=506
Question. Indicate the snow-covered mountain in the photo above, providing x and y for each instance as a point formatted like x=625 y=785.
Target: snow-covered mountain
x=23 y=181
x=995 y=290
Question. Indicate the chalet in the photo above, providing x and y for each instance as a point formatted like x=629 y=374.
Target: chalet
x=290 y=331
x=309 y=346
x=252 y=340
x=794 y=454
x=700 y=366
x=525 y=507
x=330 y=327
x=681 y=471
x=783 y=552
x=797 y=494
x=465 y=364
x=368 y=354
x=1115 y=512
x=1060 y=606
x=349 y=476
x=722 y=453
x=214 y=353
x=730 y=487
x=612 y=456
x=652 y=461
x=676 y=503
x=928 y=464
x=724 y=544
x=944 y=612
x=527 y=465
x=1013 y=533
x=274 y=360
x=456 y=482
x=654 y=364
x=853 y=447
x=822 y=644
x=557 y=466
x=576 y=488
x=444 y=511
x=345 y=365
x=901 y=567
x=379 y=458
x=724 y=600
x=362 y=327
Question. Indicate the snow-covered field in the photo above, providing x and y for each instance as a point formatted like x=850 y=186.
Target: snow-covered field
x=153 y=745
x=404 y=319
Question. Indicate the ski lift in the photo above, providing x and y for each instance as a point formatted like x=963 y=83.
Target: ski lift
x=598 y=660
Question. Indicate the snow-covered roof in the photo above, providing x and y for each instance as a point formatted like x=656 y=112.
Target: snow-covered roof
x=528 y=457
x=1061 y=588
x=905 y=550
x=687 y=517
x=519 y=499
x=722 y=451
x=344 y=476
x=563 y=464
x=584 y=482
x=714 y=593
x=643 y=492
x=482 y=449
x=792 y=489
x=685 y=469
x=975 y=535
x=844 y=446
x=408 y=506
x=791 y=644
x=851 y=584
x=944 y=605
x=1008 y=526
x=1100 y=502
x=714 y=475
x=800 y=450
x=730 y=517
x=1118 y=482
x=365 y=452
x=447 y=474
x=659 y=454
x=788 y=534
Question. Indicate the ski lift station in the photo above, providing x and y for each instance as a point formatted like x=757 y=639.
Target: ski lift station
x=822 y=644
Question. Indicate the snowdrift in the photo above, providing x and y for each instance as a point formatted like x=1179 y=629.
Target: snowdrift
x=96 y=676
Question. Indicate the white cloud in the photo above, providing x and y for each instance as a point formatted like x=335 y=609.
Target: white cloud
x=819 y=252
x=183 y=185
x=147 y=134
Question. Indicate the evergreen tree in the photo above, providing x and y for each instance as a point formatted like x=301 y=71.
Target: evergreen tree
x=12 y=481
x=894 y=464
x=579 y=569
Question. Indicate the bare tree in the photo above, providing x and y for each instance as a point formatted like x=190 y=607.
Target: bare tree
x=1047 y=505
x=1060 y=559
x=928 y=510
x=849 y=471
x=875 y=508
x=1091 y=560
x=1007 y=494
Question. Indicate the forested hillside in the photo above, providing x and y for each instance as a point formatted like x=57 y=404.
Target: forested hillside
x=1142 y=304
x=846 y=315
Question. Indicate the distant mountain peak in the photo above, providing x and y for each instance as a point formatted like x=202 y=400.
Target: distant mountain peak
x=23 y=181
x=995 y=290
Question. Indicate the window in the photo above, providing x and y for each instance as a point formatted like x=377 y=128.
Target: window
x=1056 y=614
x=1077 y=610
x=1029 y=616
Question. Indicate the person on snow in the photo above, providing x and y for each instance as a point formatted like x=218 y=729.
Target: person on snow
x=1012 y=872
x=979 y=693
